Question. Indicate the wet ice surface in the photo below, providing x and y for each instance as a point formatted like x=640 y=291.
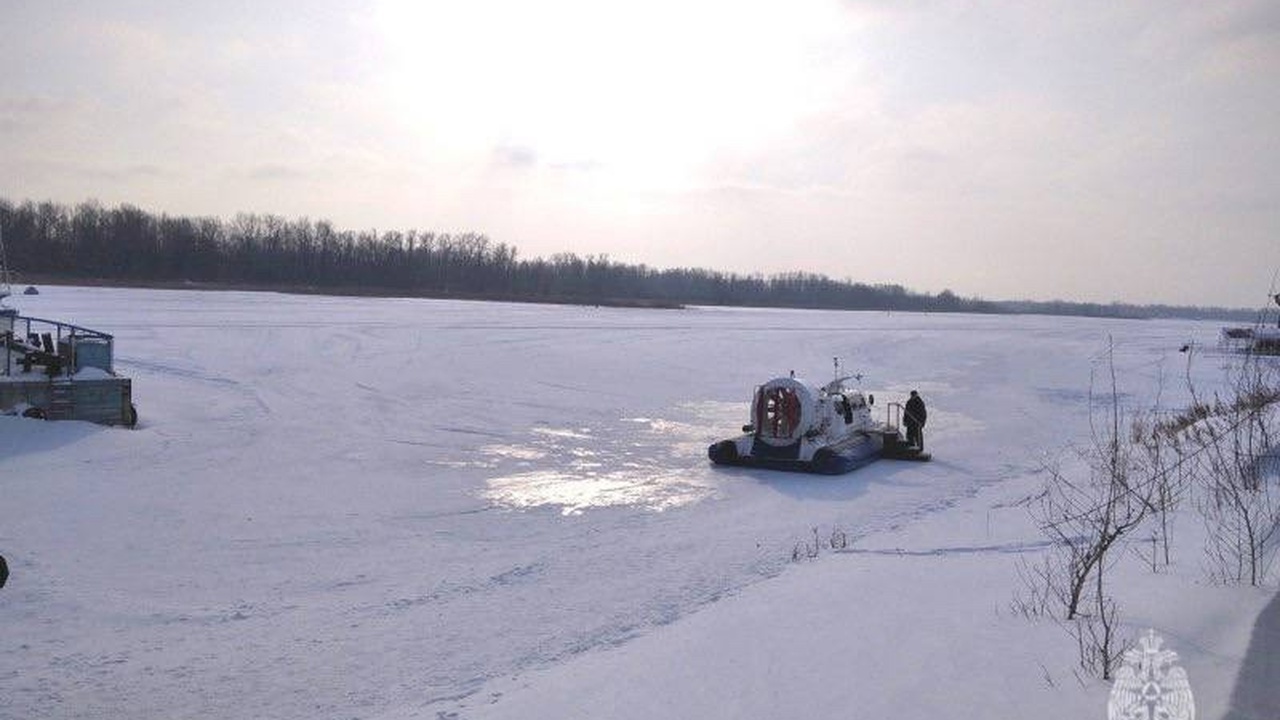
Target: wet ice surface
x=640 y=462
x=334 y=506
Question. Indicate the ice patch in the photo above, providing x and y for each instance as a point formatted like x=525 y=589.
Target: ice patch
x=461 y=464
x=578 y=434
x=575 y=494
x=610 y=466
x=514 y=452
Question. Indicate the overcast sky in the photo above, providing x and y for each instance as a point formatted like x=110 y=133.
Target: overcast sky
x=1090 y=150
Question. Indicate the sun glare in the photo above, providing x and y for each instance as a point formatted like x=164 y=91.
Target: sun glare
x=646 y=90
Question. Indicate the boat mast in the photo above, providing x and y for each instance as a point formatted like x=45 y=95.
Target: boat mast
x=7 y=314
x=5 y=288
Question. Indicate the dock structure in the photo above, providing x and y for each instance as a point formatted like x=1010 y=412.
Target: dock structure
x=58 y=371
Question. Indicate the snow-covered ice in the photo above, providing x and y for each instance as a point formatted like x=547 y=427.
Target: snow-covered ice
x=394 y=508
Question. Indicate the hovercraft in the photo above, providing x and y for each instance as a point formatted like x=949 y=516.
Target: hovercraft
x=827 y=430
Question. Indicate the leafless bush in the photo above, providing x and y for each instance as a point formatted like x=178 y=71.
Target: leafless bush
x=837 y=540
x=1041 y=588
x=1234 y=451
x=1097 y=639
x=1087 y=514
x=1162 y=450
x=1135 y=472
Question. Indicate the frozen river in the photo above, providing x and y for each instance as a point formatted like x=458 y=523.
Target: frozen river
x=333 y=506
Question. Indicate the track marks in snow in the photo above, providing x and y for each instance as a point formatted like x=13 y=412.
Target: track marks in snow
x=449 y=591
x=205 y=617
x=1011 y=548
x=246 y=403
x=176 y=371
x=478 y=432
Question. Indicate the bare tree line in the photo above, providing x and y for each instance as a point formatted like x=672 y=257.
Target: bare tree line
x=126 y=243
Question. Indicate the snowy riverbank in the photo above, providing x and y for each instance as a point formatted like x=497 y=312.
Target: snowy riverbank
x=339 y=507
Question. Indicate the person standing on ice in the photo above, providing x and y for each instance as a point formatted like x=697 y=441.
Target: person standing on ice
x=914 y=417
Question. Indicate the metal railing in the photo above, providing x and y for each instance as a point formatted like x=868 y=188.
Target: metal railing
x=893 y=415
x=51 y=338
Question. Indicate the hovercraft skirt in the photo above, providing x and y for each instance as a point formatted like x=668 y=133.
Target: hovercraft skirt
x=833 y=460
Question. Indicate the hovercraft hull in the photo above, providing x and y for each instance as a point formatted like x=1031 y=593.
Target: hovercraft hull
x=836 y=459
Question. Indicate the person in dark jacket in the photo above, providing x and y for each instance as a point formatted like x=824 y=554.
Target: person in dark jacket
x=914 y=418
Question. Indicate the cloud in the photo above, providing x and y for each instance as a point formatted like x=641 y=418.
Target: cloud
x=275 y=171
x=147 y=171
x=515 y=156
x=583 y=166
x=24 y=114
x=1204 y=44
